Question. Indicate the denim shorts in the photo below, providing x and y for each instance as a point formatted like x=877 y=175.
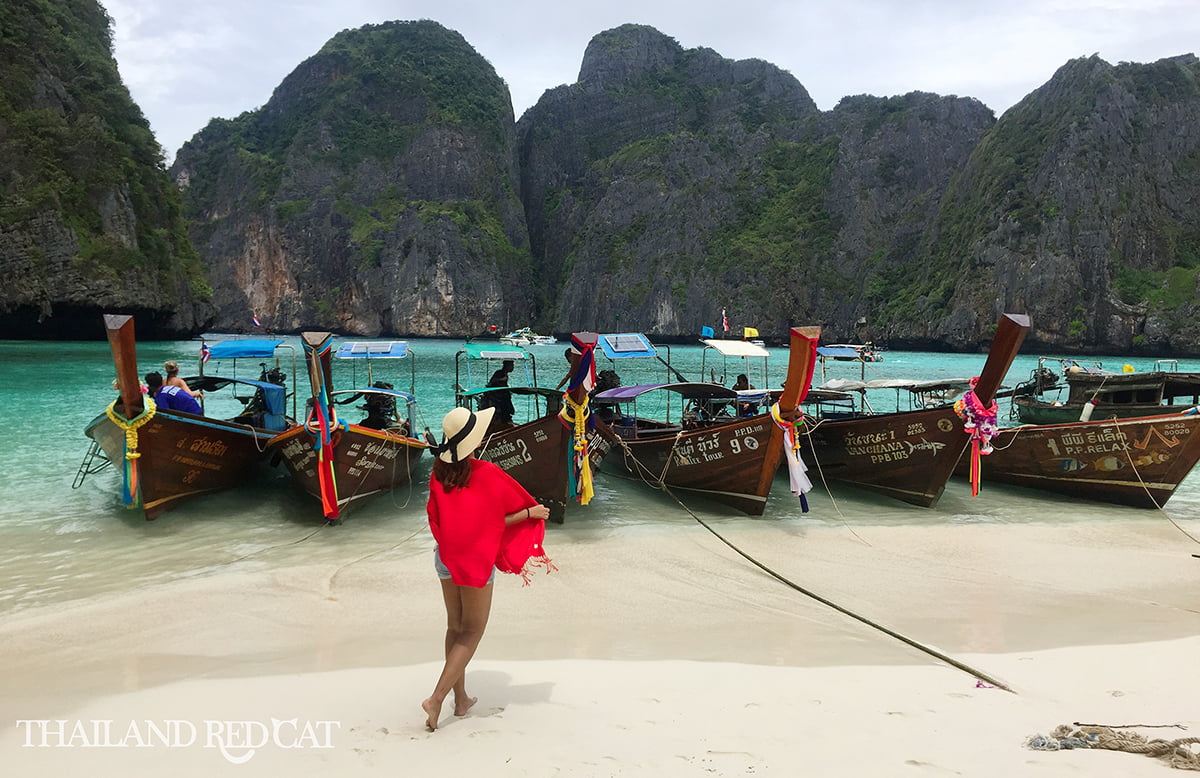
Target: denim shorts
x=443 y=572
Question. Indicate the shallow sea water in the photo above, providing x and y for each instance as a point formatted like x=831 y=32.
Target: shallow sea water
x=59 y=544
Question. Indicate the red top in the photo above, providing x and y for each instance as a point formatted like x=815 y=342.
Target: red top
x=468 y=525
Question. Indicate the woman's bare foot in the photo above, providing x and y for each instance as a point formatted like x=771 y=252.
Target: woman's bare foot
x=461 y=706
x=433 y=711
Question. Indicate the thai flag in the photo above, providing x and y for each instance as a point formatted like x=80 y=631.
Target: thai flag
x=724 y=321
x=205 y=353
x=257 y=323
x=585 y=369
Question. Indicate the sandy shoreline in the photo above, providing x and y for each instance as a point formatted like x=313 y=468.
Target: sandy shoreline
x=652 y=651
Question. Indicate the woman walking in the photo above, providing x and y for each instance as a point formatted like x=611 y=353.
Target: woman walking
x=483 y=521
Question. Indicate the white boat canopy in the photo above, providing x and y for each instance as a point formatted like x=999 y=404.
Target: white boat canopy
x=736 y=348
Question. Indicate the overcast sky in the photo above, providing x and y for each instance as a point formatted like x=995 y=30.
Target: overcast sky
x=186 y=62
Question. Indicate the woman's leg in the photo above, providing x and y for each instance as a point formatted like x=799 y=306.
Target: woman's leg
x=471 y=606
x=454 y=608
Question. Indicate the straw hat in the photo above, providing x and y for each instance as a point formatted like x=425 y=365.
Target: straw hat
x=462 y=432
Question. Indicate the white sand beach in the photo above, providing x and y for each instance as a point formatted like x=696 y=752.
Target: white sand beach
x=652 y=651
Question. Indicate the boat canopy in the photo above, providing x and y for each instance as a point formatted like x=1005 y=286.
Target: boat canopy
x=690 y=391
x=386 y=349
x=839 y=352
x=540 y=391
x=408 y=398
x=917 y=387
x=495 y=351
x=626 y=344
x=248 y=348
x=737 y=348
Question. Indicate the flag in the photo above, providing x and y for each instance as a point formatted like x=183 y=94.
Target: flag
x=205 y=353
x=257 y=323
x=706 y=332
x=724 y=321
x=749 y=332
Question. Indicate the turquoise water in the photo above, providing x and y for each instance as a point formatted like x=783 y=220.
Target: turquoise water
x=59 y=544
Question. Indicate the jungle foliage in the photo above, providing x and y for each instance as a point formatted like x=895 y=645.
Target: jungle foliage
x=71 y=138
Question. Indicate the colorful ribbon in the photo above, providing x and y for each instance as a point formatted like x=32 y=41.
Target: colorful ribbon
x=130 y=485
x=979 y=422
x=797 y=470
x=578 y=417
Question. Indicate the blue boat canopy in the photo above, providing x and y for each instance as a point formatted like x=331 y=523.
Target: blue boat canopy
x=249 y=348
x=385 y=349
x=627 y=344
x=838 y=352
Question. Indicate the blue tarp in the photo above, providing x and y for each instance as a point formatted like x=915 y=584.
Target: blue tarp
x=275 y=399
x=237 y=349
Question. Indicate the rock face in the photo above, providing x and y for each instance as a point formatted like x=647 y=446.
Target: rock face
x=376 y=192
x=666 y=185
x=1078 y=207
x=89 y=220
x=385 y=189
x=676 y=184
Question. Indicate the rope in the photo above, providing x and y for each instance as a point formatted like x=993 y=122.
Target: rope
x=824 y=601
x=1159 y=507
x=1176 y=753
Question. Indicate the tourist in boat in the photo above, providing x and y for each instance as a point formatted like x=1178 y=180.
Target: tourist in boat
x=171 y=397
x=572 y=356
x=173 y=379
x=483 y=521
x=743 y=383
x=501 y=399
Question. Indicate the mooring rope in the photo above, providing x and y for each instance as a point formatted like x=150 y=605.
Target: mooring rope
x=1157 y=505
x=978 y=675
x=1176 y=753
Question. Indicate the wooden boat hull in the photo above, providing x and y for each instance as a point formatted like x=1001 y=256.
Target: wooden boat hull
x=908 y=455
x=184 y=456
x=366 y=461
x=1137 y=462
x=537 y=455
x=723 y=462
x=1033 y=411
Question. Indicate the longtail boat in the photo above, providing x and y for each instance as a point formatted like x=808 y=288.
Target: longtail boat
x=907 y=455
x=1094 y=394
x=167 y=456
x=551 y=446
x=341 y=462
x=1137 y=461
x=727 y=458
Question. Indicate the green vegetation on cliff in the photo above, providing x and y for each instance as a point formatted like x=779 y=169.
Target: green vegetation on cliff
x=74 y=144
x=364 y=96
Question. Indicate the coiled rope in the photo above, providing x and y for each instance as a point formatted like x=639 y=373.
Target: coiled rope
x=1176 y=753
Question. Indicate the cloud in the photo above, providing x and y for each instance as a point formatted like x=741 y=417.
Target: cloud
x=187 y=62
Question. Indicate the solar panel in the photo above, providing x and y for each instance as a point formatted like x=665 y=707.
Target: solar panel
x=625 y=343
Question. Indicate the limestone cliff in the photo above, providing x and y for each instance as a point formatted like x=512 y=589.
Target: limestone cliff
x=89 y=220
x=676 y=183
x=376 y=192
x=1078 y=207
